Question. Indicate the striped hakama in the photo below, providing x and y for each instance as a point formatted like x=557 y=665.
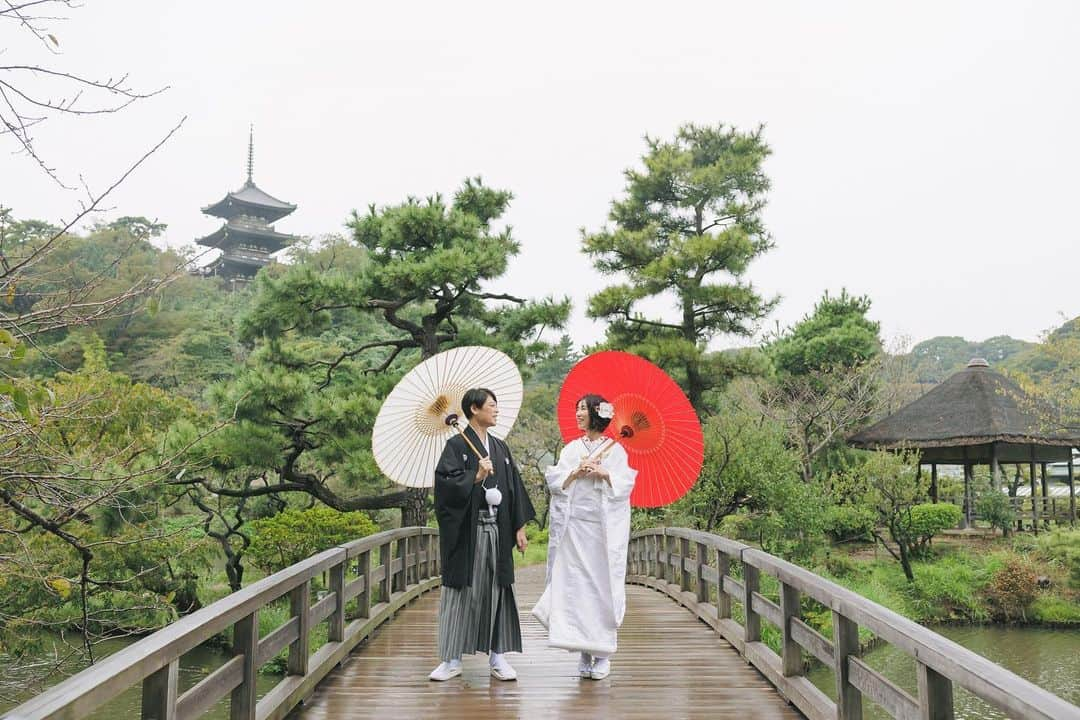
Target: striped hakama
x=483 y=616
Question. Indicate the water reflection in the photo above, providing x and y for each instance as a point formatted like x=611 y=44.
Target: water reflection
x=1047 y=657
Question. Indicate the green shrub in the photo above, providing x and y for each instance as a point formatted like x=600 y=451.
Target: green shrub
x=294 y=535
x=925 y=521
x=844 y=523
x=840 y=566
x=996 y=509
x=535 y=534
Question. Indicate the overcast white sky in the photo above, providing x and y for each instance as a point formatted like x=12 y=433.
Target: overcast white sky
x=924 y=153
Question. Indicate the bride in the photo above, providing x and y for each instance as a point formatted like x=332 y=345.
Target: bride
x=585 y=599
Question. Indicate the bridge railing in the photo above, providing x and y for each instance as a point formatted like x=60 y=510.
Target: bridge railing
x=695 y=568
x=381 y=573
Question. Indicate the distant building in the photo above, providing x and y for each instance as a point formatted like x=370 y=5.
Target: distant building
x=246 y=239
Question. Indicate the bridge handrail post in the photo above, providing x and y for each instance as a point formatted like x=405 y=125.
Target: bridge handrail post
x=159 y=693
x=723 y=600
x=300 y=608
x=426 y=548
x=684 y=555
x=845 y=645
x=363 y=569
x=935 y=694
x=398 y=582
x=412 y=559
x=751 y=584
x=790 y=609
x=336 y=628
x=702 y=583
x=387 y=565
x=413 y=549
x=246 y=643
x=661 y=543
x=436 y=556
x=672 y=544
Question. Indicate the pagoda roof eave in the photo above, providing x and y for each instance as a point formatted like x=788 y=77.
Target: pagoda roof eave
x=250 y=196
x=234 y=260
x=228 y=233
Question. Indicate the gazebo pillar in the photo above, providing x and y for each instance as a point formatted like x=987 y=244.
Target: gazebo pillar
x=966 y=520
x=1034 y=500
x=1014 y=498
x=1046 y=495
x=933 y=482
x=1072 y=493
x=995 y=468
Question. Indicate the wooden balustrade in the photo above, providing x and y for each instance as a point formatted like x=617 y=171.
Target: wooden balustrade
x=1042 y=509
x=154 y=661
x=661 y=558
x=710 y=575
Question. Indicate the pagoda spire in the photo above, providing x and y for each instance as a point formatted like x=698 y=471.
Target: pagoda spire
x=251 y=154
x=247 y=239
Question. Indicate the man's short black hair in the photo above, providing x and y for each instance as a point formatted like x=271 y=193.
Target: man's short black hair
x=475 y=397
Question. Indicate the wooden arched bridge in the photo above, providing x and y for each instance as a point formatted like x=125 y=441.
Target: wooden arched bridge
x=699 y=656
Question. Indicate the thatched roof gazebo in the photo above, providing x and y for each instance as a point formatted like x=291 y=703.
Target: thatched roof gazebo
x=975 y=417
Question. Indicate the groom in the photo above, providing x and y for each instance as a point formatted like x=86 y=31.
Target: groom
x=482 y=508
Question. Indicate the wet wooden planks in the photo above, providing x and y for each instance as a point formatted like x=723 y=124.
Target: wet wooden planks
x=669 y=665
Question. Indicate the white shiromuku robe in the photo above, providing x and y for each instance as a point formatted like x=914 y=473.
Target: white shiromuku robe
x=585 y=599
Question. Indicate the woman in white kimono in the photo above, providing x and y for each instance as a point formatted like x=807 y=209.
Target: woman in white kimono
x=585 y=599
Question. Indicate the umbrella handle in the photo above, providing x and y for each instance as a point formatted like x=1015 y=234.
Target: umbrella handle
x=452 y=422
x=600 y=453
x=602 y=450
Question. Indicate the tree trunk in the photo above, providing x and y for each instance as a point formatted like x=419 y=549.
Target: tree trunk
x=543 y=519
x=905 y=560
x=234 y=568
x=807 y=459
x=695 y=383
x=414 y=510
x=694 y=386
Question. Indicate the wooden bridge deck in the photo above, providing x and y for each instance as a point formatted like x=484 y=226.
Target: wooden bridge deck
x=669 y=665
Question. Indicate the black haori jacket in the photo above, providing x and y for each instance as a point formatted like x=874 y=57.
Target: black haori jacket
x=459 y=499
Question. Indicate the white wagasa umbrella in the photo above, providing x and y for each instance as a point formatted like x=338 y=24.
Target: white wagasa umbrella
x=424 y=410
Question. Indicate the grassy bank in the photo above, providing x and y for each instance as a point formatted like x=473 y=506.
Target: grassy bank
x=1022 y=580
x=1018 y=580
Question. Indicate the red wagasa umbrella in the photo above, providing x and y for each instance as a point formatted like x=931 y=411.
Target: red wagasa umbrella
x=653 y=421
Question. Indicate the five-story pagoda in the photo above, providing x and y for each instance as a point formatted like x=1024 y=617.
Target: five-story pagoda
x=246 y=240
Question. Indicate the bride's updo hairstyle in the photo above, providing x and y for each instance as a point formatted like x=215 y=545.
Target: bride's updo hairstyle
x=598 y=407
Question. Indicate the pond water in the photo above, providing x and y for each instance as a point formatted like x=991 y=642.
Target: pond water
x=1049 y=658
x=194 y=666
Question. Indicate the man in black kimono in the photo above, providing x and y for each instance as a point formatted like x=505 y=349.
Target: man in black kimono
x=482 y=508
